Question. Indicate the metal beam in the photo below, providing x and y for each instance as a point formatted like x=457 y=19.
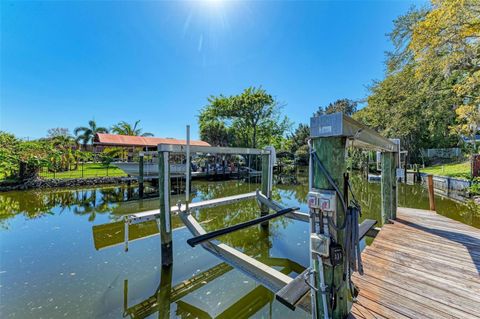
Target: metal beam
x=219 y=232
x=153 y=214
x=175 y=148
x=269 y=277
x=340 y=125
x=297 y=215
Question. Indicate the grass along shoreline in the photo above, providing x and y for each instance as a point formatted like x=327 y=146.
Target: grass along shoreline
x=458 y=170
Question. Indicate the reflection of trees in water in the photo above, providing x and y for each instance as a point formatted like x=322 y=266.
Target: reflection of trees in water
x=253 y=240
x=37 y=203
x=210 y=190
x=90 y=202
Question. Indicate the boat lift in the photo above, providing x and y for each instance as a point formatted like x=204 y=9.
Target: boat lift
x=334 y=249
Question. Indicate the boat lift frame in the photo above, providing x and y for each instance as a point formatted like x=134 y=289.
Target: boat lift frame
x=290 y=291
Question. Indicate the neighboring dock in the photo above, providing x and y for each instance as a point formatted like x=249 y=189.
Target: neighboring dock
x=424 y=265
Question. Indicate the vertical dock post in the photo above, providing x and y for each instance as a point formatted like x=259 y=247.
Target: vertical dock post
x=140 y=175
x=164 y=197
x=266 y=187
x=431 y=192
x=388 y=187
x=187 y=169
x=331 y=151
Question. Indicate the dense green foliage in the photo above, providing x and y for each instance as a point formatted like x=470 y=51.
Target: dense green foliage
x=298 y=143
x=346 y=106
x=250 y=119
x=124 y=128
x=59 y=152
x=54 y=152
x=430 y=94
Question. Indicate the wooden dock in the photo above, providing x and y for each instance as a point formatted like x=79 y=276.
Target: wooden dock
x=424 y=265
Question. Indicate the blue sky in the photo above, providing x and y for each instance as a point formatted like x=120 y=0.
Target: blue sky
x=64 y=63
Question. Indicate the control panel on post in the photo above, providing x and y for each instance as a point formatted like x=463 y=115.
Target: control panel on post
x=324 y=200
x=322 y=203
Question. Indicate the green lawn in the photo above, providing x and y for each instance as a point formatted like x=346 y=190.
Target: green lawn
x=461 y=170
x=89 y=170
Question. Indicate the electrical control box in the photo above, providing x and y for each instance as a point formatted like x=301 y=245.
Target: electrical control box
x=324 y=200
x=320 y=244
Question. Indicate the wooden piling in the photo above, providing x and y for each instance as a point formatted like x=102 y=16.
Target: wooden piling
x=388 y=187
x=331 y=151
x=264 y=210
x=164 y=197
x=140 y=176
x=431 y=192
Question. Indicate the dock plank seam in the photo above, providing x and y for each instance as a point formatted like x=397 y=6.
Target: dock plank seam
x=424 y=265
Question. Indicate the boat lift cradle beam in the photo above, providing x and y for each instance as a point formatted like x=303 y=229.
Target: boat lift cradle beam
x=223 y=231
x=155 y=213
x=266 y=275
x=262 y=273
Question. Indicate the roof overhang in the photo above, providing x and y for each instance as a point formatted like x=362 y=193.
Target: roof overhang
x=139 y=141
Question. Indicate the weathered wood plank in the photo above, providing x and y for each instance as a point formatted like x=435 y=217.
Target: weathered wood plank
x=399 y=290
x=377 y=308
x=423 y=266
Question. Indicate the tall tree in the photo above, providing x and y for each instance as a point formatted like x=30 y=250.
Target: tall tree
x=213 y=130
x=85 y=134
x=250 y=119
x=419 y=110
x=299 y=137
x=346 y=106
x=124 y=128
x=298 y=143
x=447 y=41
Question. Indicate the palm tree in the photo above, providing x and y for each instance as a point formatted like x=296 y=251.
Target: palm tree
x=124 y=128
x=85 y=134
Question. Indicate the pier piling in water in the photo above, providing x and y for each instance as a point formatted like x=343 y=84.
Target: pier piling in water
x=140 y=175
x=388 y=187
x=431 y=192
x=164 y=197
x=266 y=187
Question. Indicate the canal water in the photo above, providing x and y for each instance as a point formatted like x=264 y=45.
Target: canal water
x=62 y=252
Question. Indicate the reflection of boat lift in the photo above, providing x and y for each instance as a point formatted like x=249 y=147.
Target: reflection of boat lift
x=245 y=307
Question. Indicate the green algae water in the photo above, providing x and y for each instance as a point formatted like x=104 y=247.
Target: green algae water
x=62 y=253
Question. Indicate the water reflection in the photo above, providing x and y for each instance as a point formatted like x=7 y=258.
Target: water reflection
x=36 y=203
x=168 y=296
x=52 y=263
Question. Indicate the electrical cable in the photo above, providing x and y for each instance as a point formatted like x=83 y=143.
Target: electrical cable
x=352 y=259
